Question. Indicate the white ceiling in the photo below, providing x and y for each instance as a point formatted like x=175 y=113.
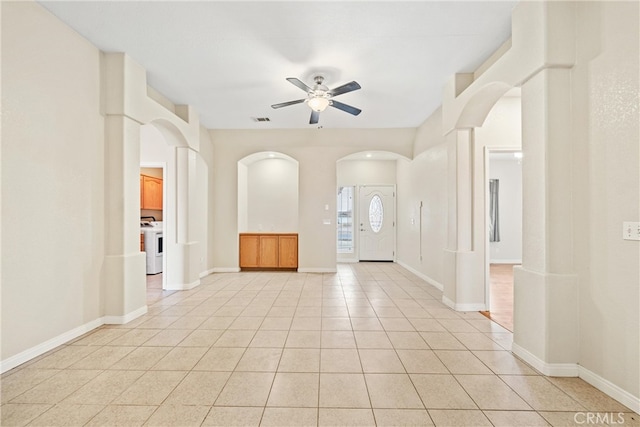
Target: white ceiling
x=230 y=59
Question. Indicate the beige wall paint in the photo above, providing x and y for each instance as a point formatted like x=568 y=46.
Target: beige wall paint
x=52 y=179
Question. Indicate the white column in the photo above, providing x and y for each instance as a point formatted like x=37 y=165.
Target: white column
x=182 y=248
x=464 y=268
x=546 y=291
x=125 y=265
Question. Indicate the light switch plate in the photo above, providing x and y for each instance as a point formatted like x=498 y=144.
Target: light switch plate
x=631 y=230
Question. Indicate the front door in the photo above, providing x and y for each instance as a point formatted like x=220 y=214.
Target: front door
x=377 y=223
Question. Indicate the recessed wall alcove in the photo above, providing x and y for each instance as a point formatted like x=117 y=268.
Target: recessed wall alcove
x=268 y=193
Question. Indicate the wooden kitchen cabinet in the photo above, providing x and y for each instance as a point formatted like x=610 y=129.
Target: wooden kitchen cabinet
x=150 y=193
x=268 y=251
x=249 y=250
x=288 y=251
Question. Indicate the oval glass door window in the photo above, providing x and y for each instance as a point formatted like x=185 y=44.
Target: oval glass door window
x=376 y=213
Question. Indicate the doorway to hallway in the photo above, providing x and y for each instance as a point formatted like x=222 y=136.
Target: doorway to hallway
x=501 y=295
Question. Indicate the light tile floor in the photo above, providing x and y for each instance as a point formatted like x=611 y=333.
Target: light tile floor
x=370 y=345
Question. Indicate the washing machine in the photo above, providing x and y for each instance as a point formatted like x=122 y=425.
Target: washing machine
x=153 y=246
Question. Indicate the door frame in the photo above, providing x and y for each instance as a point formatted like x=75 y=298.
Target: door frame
x=487 y=245
x=357 y=216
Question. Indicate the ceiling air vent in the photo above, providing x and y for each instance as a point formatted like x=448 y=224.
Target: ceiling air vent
x=261 y=119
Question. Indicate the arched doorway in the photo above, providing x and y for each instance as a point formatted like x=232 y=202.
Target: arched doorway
x=366 y=206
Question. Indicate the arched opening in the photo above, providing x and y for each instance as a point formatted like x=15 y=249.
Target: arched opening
x=498 y=155
x=492 y=116
x=366 y=206
x=175 y=226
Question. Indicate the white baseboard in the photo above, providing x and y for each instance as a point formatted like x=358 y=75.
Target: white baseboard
x=207 y=272
x=347 y=260
x=505 y=261
x=575 y=370
x=316 y=270
x=463 y=307
x=64 y=338
x=183 y=286
x=549 y=369
x=610 y=389
x=42 y=348
x=225 y=270
x=121 y=320
x=423 y=276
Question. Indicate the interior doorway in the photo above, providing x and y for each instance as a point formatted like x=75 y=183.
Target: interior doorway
x=377 y=222
x=504 y=231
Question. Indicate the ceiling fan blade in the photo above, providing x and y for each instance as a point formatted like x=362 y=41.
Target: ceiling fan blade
x=300 y=84
x=344 y=107
x=286 y=104
x=314 y=117
x=349 y=87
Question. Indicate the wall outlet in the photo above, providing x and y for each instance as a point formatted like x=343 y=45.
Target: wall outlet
x=631 y=230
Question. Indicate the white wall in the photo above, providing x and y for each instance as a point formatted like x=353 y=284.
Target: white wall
x=208 y=237
x=366 y=172
x=53 y=213
x=508 y=170
x=243 y=198
x=606 y=176
x=423 y=180
x=272 y=196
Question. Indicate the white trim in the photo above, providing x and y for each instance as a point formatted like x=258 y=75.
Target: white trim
x=575 y=370
x=463 y=307
x=65 y=337
x=183 y=287
x=347 y=260
x=121 y=320
x=423 y=276
x=316 y=270
x=207 y=272
x=225 y=270
x=42 y=348
x=548 y=369
x=610 y=389
x=505 y=261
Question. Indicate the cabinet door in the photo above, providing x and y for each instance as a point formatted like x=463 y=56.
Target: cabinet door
x=269 y=251
x=249 y=251
x=288 y=251
x=152 y=193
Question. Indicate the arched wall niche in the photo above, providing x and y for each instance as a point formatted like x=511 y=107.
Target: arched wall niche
x=268 y=193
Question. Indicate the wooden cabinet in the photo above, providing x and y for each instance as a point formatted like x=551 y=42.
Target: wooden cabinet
x=268 y=251
x=288 y=251
x=141 y=242
x=249 y=250
x=150 y=193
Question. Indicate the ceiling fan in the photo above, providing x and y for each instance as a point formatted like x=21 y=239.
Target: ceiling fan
x=319 y=97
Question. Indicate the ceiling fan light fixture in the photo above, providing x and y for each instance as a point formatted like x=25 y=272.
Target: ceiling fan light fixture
x=318 y=103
